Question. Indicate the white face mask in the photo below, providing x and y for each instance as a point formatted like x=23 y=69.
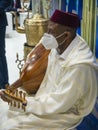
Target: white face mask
x=50 y=42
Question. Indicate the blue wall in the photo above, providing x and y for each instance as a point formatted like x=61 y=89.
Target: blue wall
x=75 y=5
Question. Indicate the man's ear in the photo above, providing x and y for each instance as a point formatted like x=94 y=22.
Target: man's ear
x=67 y=35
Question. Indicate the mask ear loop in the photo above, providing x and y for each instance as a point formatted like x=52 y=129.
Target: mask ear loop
x=62 y=42
x=59 y=35
x=64 y=39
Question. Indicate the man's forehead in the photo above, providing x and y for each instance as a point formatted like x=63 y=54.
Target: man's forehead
x=51 y=23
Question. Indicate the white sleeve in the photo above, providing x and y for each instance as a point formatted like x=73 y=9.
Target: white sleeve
x=72 y=86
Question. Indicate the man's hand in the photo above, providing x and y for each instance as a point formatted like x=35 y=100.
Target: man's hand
x=3 y=96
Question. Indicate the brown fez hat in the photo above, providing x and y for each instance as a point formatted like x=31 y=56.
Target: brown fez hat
x=65 y=18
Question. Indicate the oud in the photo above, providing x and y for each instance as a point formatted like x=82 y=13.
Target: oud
x=33 y=71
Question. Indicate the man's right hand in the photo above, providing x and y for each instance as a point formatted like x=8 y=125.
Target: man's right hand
x=3 y=96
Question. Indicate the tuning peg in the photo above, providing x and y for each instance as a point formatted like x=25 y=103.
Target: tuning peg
x=20 y=92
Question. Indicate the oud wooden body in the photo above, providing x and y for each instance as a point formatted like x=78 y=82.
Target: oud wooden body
x=33 y=70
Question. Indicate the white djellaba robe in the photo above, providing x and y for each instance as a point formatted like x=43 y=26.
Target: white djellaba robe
x=68 y=92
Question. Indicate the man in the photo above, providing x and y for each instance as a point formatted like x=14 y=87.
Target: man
x=69 y=89
x=15 y=6
x=3 y=63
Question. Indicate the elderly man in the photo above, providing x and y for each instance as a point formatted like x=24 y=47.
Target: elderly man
x=69 y=88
